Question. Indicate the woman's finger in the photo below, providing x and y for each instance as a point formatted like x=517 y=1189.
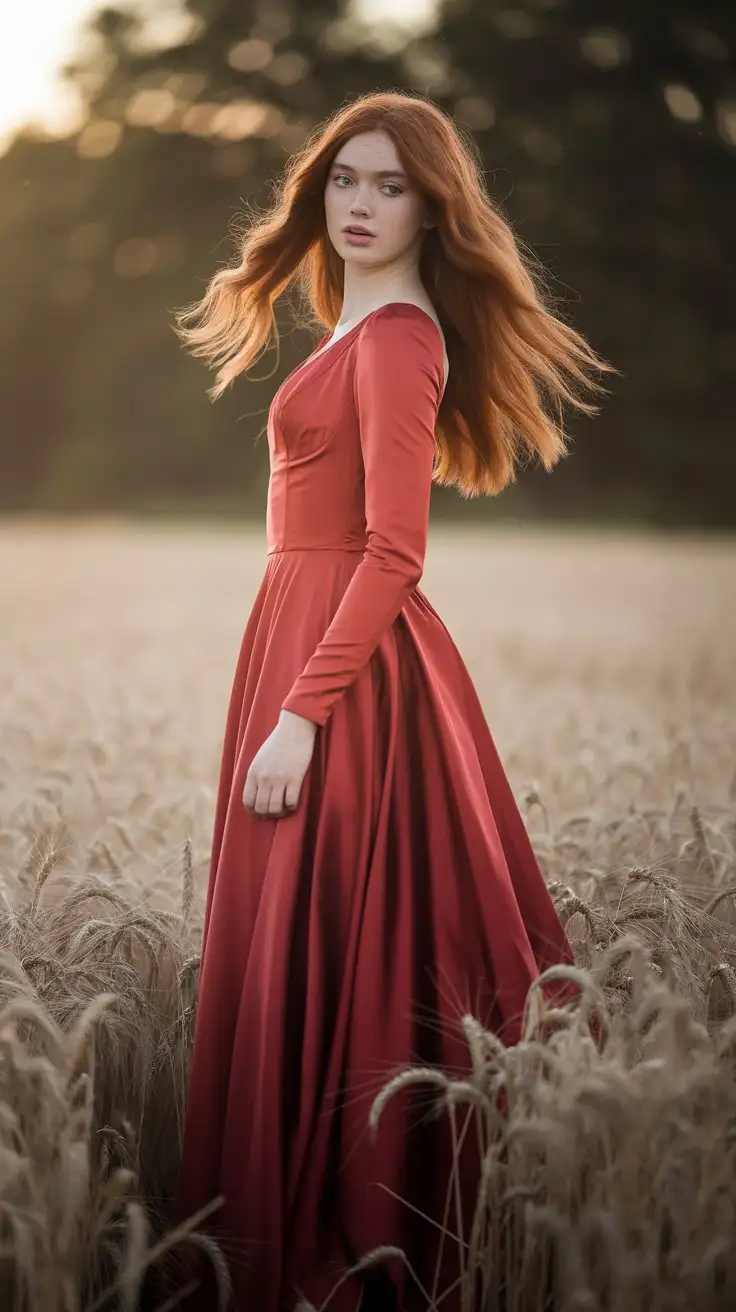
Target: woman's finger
x=250 y=793
x=291 y=796
x=276 y=803
x=263 y=799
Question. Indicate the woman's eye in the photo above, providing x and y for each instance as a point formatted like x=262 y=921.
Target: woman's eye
x=394 y=188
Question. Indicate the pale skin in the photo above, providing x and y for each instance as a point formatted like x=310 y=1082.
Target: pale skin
x=366 y=185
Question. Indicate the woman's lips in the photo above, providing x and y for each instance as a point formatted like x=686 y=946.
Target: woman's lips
x=358 y=238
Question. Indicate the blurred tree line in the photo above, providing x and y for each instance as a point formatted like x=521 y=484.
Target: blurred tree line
x=608 y=133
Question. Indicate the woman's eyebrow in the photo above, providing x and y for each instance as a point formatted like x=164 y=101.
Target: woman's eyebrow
x=381 y=173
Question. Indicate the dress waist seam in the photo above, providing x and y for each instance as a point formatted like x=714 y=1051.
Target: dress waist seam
x=281 y=551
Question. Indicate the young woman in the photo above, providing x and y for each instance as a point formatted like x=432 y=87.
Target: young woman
x=371 y=876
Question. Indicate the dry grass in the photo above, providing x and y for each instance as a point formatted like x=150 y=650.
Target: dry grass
x=606 y=670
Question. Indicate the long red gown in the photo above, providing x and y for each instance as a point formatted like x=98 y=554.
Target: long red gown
x=345 y=941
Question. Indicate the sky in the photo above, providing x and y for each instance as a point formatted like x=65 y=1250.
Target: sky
x=37 y=36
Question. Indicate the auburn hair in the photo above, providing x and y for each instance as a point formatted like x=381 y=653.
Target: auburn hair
x=513 y=362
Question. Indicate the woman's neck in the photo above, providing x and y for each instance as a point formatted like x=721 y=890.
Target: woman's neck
x=367 y=289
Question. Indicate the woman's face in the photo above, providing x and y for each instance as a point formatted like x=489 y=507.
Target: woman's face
x=367 y=186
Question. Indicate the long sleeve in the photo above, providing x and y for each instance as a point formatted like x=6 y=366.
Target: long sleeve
x=398 y=387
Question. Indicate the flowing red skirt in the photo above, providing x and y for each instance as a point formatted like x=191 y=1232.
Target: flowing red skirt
x=341 y=945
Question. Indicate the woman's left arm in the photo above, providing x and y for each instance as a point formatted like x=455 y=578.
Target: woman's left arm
x=398 y=387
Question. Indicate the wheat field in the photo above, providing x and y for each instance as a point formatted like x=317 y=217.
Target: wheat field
x=605 y=663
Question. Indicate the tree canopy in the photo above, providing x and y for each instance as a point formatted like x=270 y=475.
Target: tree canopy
x=608 y=134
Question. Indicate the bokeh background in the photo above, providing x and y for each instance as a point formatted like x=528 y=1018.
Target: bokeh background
x=608 y=134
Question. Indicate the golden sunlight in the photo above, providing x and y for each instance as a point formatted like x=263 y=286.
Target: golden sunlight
x=39 y=36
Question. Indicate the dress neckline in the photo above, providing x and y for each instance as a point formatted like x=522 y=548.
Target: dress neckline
x=327 y=348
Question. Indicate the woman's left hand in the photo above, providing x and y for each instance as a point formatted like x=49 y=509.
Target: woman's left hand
x=275 y=774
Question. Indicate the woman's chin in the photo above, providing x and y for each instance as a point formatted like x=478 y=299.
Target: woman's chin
x=359 y=254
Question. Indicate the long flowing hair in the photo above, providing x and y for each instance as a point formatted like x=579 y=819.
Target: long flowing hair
x=513 y=362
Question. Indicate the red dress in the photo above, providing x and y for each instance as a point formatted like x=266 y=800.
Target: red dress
x=345 y=941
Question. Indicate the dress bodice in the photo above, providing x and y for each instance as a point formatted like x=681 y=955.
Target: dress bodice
x=316 y=493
